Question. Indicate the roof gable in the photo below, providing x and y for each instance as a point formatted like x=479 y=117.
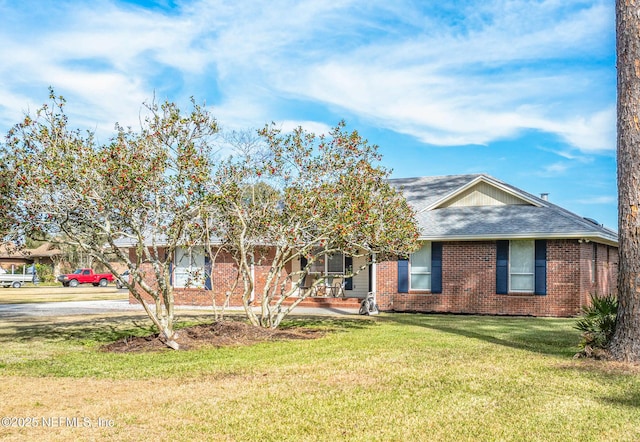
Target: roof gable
x=424 y=192
x=484 y=192
x=472 y=190
x=478 y=206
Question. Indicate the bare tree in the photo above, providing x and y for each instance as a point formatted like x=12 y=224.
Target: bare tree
x=625 y=344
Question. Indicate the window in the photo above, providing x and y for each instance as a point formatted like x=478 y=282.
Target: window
x=420 y=268
x=423 y=270
x=522 y=266
x=189 y=270
x=328 y=263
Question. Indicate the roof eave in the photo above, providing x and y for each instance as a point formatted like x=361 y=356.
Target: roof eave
x=587 y=236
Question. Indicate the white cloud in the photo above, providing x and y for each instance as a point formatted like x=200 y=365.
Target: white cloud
x=309 y=126
x=592 y=132
x=481 y=71
x=477 y=87
x=554 y=169
x=598 y=200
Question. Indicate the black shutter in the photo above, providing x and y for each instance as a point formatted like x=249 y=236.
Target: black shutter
x=502 y=267
x=403 y=275
x=207 y=271
x=436 y=267
x=348 y=264
x=541 y=267
x=303 y=263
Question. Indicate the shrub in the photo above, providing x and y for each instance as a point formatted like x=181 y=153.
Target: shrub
x=44 y=272
x=597 y=323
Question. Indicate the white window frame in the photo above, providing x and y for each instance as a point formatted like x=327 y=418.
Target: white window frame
x=192 y=275
x=321 y=264
x=414 y=270
x=532 y=273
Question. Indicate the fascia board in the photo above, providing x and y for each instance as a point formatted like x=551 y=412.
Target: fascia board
x=577 y=235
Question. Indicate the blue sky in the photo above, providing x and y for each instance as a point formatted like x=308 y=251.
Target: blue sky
x=521 y=90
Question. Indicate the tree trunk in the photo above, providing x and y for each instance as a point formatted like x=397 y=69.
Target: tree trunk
x=164 y=324
x=625 y=345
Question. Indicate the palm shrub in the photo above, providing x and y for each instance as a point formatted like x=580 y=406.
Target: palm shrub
x=597 y=323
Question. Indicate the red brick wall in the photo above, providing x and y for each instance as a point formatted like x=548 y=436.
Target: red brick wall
x=468 y=281
x=386 y=285
x=223 y=274
x=599 y=264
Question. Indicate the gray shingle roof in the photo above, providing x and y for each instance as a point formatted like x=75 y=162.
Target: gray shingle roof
x=546 y=220
x=424 y=191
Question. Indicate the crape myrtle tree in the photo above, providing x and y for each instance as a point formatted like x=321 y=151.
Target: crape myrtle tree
x=7 y=178
x=302 y=197
x=142 y=190
x=625 y=344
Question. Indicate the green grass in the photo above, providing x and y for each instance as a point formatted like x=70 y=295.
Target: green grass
x=30 y=295
x=392 y=377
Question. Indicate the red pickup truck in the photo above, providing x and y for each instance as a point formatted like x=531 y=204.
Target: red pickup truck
x=85 y=276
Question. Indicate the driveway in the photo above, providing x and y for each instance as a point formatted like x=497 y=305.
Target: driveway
x=64 y=308
x=95 y=307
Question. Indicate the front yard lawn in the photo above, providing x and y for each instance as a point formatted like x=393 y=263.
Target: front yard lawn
x=391 y=377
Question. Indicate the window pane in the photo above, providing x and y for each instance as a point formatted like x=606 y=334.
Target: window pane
x=420 y=263
x=336 y=263
x=182 y=258
x=180 y=277
x=421 y=281
x=318 y=264
x=522 y=283
x=421 y=260
x=197 y=257
x=522 y=257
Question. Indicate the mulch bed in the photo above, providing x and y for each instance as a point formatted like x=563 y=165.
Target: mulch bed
x=217 y=334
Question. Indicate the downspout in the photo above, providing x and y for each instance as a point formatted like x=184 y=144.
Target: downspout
x=253 y=278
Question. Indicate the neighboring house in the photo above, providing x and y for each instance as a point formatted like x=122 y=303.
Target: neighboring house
x=11 y=257
x=486 y=248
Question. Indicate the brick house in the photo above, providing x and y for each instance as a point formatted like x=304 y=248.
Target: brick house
x=491 y=248
x=12 y=257
x=486 y=248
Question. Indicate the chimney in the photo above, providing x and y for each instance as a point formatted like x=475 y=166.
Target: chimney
x=544 y=196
